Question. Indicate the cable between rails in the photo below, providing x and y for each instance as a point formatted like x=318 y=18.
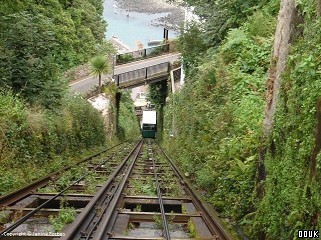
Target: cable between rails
x=160 y=199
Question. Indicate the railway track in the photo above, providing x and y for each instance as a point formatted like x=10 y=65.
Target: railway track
x=142 y=196
x=21 y=193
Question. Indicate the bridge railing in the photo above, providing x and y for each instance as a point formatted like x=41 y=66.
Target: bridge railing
x=141 y=54
x=142 y=74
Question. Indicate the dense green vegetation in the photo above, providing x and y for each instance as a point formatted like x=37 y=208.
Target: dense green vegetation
x=41 y=39
x=32 y=137
x=43 y=127
x=217 y=117
x=220 y=16
x=39 y=124
x=128 y=123
x=157 y=96
x=294 y=198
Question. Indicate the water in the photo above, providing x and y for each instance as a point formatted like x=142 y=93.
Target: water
x=132 y=26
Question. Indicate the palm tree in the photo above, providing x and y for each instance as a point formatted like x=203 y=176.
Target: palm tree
x=99 y=65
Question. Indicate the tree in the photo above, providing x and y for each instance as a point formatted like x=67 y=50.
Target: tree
x=28 y=65
x=278 y=60
x=99 y=65
x=283 y=33
x=220 y=16
x=192 y=46
x=39 y=40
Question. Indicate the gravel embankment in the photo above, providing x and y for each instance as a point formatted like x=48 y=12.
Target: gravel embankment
x=173 y=19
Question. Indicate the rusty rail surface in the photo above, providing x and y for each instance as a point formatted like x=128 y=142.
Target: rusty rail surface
x=105 y=231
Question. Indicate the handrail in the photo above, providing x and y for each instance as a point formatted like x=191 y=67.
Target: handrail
x=141 y=54
x=146 y=74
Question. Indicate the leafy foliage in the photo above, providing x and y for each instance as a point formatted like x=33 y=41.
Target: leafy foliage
x=66 y=215
x=217 y=19
x=157 y=93
x=219 y=16
x=99 y=65
x=29 y=67
x=40 y=39
x=218 y=132
x=217 y=118
x=124 y=58
x=33 y=136
x=192 y=46
x=128 y=122
x=294 y=199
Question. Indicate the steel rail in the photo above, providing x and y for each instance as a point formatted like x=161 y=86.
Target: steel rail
x=94 y=227
x=106 y=225
x=209 y=215
x=101 y=215
x=28 y=215
x=160 y=199
x=75 y=230
x=22 y=192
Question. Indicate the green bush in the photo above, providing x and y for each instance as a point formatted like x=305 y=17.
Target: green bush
x=217 y=119
x=158 y=51
x=31 y=136
x=124 y=58
x=218 y=127
x=128 y=122
x=66 y=215
x=292 y=201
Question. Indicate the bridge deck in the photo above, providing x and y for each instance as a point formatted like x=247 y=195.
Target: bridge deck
x=141 y=76
x=135 y=72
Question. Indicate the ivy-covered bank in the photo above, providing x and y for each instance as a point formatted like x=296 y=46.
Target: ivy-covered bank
x=214 y=125
x=293 y=184
x=34 y=141
x=128 y=127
